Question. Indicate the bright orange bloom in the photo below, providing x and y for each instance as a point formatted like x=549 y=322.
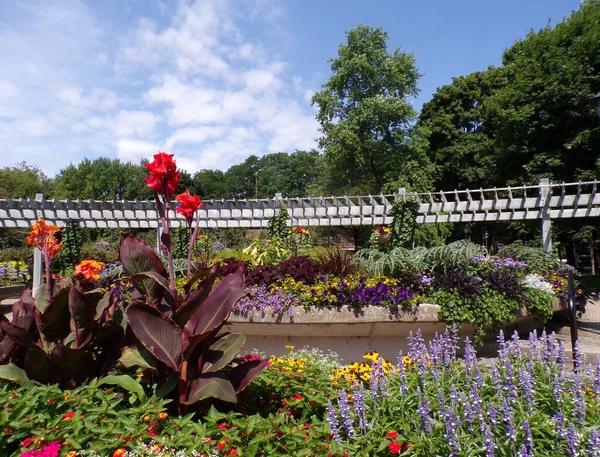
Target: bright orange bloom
x=162 y=416
x=89 y=269
x=119 y=452
x=189 y=205
x=41 y=235
x=164 y=176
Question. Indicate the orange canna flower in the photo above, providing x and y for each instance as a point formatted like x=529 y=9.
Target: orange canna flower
x=41 y=235
x=164 y=176
x=189 y=205
x=89 y=269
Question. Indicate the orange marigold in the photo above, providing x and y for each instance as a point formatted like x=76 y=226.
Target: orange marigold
x=41 y=235
x=89 y=269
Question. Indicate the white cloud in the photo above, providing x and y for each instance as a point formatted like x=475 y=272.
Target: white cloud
x=135 y=150
x=195 y=79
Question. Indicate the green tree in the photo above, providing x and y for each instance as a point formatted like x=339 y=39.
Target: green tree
x=103 y=179
x=545 y=125
x=23 y=181
x=209 y=184
x=460 y=134
x=366 y=117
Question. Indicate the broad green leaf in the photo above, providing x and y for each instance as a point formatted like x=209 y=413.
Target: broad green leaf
x=127 y=383
x=13 y=373
x=221 y=352
x=167 y=387
x=214 y=387
x=133 y=356
x=157 y=333
x=137 y=257
x=215 y=309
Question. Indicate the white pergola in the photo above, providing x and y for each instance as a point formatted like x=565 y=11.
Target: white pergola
x=544 y=201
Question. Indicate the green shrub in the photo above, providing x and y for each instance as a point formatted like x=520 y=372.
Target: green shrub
x=21 y=254
x=536 y=258
x=102 y=252
x=539 y=303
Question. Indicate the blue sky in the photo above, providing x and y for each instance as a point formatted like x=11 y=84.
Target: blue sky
x=214 y=81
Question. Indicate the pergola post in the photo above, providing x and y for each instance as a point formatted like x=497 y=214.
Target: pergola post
x=38 y=266
x=546 y=221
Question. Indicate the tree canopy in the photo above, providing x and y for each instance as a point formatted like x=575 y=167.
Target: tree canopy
x=365 y=114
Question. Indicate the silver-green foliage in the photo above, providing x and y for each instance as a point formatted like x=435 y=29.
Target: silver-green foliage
x=400 y=261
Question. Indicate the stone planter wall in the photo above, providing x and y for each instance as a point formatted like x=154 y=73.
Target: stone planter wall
x=11 y=291
x=352 y=334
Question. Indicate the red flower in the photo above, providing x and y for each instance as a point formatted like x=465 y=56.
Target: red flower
x=27 y=442
x=232 y=452
x=395 y=448
x=189 y=205
x=392 y=435
x=220 y=445
x=163 y=177
x=223 y=426
x=297 y=397
x=298 y=229
x=68 y=416
x=120 y=452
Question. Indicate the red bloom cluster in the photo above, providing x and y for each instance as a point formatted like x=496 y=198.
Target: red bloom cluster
x=189 y=205
x=247 y=358
x=164 y=176
x=394 y=447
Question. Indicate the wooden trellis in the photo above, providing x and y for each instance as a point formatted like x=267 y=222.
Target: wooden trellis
x=543 y=202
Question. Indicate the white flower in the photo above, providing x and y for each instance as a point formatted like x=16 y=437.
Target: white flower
x=535 y=281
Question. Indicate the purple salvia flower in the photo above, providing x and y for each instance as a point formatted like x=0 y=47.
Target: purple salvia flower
x=468 y=411
x=527 y=447
x=511 y=433
x=347 y=422
x=501 y=344
x=333 y=422
x=442 y=399
x=577 y=358
x=578 y=399
x=423 y=411
x=559 y=424
x=514 y=346
x=488 y=440
x=476 y=399
x=359 y=405
x=493 y=415
x=593 y=447
x=557 y=388
x=597 y=377
x=402 y=374
x=496 y=379
x=509 y=380
x=533 y=344
x=526 y=381
x=451 y=424
x=572 y=440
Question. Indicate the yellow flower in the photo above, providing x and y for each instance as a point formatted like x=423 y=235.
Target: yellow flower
x=289 y=348
x=146 y=419
x=162 y=416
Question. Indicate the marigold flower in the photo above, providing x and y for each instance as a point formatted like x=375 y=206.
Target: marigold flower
x=89 y=269
x=392 y=435
x=68 y=416
x=164 y=176
x=189 y=205
x=395 y=448
x=41 y=235
x=119 y=452
x=146 y=419
x=162 y=416
x=72 y=454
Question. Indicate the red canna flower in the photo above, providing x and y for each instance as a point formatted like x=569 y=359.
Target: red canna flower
x=392 y=435
x=395 y=448
x=41 y=235
x=164 y=176
x=189 y=205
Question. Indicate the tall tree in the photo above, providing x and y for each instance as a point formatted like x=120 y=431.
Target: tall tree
x=23 y=181
x=103 y=179
x=460 y=134
x=545 y=125
x=365 y=114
